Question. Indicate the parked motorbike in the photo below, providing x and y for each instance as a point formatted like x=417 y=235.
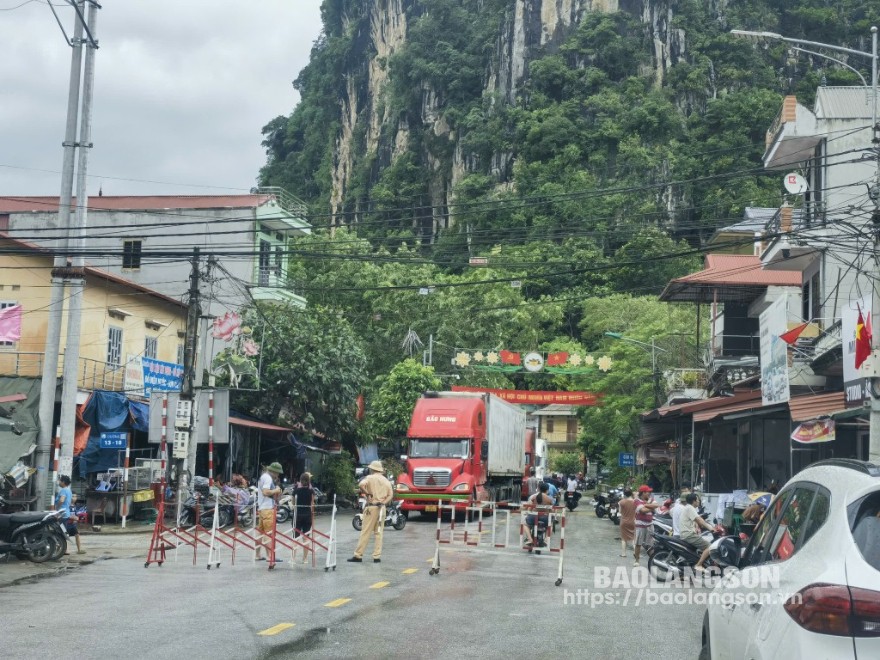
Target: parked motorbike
x=394 y=517
x=33 y=535
x=671 y=555
x=601 y=507
x=205 y=507
x=614 y=497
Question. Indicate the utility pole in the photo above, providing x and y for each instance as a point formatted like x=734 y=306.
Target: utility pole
x=49 y=380
x=190 y=356
x=874 y=427
x=77 y=240
x=200 y=344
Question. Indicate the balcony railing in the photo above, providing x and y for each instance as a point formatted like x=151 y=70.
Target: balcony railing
x=91 y=374
x=724 y=345
x=686 y=379
x=290 y=203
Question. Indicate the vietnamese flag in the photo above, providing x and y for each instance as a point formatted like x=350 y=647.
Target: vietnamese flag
x=791 y=336
x=863 y=340
x=509 y=357
x=556 y=359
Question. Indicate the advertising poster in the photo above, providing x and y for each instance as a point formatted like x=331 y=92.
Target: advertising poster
x=774 y=353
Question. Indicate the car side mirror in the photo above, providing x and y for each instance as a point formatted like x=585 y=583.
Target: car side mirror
x=484 y=450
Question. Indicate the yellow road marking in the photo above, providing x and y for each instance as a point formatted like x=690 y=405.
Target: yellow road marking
x=408 y=571
x=338 y=602
x=274 y=630
x=379 y=585
x=430 y=561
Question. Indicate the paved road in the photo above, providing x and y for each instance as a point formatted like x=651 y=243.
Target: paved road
x=486 y=604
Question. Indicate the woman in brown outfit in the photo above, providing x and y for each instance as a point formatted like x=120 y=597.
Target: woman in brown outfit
x=627 y=521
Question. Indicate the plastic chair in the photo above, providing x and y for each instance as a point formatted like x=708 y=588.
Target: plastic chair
x=100 y=511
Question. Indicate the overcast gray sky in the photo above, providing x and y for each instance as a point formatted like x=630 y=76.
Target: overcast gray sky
x=182 y=89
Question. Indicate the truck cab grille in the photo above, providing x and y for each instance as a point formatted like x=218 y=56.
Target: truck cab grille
x=432 y=478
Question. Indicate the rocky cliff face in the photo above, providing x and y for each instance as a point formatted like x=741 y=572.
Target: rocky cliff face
x=369 y=129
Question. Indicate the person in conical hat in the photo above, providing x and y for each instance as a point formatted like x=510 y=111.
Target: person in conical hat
x=378 y=492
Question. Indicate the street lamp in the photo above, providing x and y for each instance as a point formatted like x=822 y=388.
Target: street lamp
x=840 y=49
x=654 y=348
x=873 y=193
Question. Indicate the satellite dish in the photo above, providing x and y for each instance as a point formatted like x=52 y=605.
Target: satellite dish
x=795 y=184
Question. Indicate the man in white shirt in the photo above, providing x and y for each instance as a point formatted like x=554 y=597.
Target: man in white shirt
x=267 y=491
x=677 y=508
x=691 y=526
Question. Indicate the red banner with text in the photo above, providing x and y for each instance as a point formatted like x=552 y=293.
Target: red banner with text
x=535 y=397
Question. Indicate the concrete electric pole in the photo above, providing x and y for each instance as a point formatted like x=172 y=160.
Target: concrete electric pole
x=55 y=309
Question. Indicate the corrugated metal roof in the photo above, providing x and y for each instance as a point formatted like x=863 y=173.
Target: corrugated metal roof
x=812 y=406
x=136 y=203
x=733 y=277
x=843 y=103
x=706 y=415
x=703 y=404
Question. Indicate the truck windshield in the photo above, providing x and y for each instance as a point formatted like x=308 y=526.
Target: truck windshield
x=438 y=449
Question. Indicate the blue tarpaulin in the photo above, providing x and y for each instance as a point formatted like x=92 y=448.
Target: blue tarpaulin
x=109 y=411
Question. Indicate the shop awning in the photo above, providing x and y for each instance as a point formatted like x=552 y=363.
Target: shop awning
x=728 y=278
x=694 y=407
x=251 y=423
x=812 y=406
x=706 y=415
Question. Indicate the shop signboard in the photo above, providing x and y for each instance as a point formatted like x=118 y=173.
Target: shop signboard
x=774 y=353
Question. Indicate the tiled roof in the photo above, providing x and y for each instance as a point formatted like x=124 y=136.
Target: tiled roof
x=12 y=204
x=732 y=276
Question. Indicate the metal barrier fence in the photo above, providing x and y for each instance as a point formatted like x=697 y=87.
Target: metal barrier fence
x=470 y=534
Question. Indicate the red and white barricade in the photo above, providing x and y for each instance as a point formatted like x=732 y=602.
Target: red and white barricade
x=310 y=542
x=487 y=526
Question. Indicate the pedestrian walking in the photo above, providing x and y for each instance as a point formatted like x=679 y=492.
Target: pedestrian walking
x=267 y=496
x=645 y=506
x=378 y=493
x=64 y=502
x=627 y=521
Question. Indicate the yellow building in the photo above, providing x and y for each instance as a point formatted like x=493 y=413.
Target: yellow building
x=121 y=320
x=558 y=425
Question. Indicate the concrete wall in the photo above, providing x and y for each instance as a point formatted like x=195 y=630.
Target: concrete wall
x=26 y=280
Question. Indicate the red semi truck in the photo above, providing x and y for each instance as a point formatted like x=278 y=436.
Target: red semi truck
x=463 y=446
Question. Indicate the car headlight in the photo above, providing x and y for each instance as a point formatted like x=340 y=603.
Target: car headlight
x=462 y=486
x=402 y=488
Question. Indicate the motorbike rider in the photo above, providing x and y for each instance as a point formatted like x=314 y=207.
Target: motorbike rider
x=552 y=490
x=571 y=489
x=64 y=502
x=678 y=506
x=690 y=524
x=532 y=482
x=541 y=498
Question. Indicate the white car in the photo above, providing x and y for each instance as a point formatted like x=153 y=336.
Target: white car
x=808 y=581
